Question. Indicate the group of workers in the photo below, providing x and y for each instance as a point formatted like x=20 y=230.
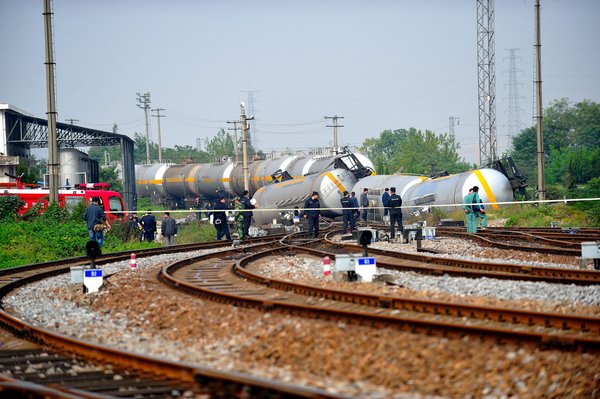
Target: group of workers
x=146 y=228
x=243 y=216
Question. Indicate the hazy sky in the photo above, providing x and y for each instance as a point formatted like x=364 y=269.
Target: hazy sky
x=380 y=64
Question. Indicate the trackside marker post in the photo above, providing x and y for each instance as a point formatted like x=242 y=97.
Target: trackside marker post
x=326 y=266
x=133 y=262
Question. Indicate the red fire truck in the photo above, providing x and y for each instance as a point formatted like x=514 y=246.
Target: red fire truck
x=111 y=201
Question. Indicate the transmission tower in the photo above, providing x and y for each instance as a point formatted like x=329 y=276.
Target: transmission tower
x=486 y=78
x=514 y=108
x=251 y=112
x=452 y=121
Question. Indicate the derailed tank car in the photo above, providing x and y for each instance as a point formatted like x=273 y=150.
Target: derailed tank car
x=418 y=193
x=181 y=185
x=278 y=198
x=448 y=192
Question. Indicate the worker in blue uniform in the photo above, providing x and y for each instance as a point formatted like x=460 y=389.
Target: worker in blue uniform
x=247 y=214
x=347 y=212
x=385 y=198
x=312 y=212
x=395 y=204
x=220 y=219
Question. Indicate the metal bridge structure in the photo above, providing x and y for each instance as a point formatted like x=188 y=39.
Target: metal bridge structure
x=21 y=132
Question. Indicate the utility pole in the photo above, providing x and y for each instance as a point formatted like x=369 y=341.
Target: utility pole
x=158 y=116
x=53 y=160
x=452 y=120
x=335 y=133
x=144 y=103
x=245 y=146
x=72 y=121
x=235 y=140
x=538 y=101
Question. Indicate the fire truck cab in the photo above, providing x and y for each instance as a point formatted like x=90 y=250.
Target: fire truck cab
x=111 y=201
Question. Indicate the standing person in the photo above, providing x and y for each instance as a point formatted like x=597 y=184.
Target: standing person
x=364 y=203
x=356 y=213
x=220 y=219
x=139 y=233
x=248 y=213
x=395 y=204
x=148 y=223
x=133 y=229
x=168 y=229
x=312 y=212
x=95 y=219
x=471 y=208
x=239 y=217
x=385 y=198
x=348 y=212
x=482 y=215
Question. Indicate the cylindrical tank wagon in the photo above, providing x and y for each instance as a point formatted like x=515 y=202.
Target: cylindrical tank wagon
x=180 y=183
x=149 y=179
x=418 y=193
x=276 y=198
x=447 y=192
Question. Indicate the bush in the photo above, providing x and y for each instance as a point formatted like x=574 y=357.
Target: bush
x=9 y=208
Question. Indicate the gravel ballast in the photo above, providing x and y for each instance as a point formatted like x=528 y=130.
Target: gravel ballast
x=134 y=312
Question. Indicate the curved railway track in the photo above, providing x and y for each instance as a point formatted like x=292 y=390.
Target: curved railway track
x=431 y=264
x=542 y=242
x=132 y=375
x=547 y=241
x=223 y=277
x=220 y=280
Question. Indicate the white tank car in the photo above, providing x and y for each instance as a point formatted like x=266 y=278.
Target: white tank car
x=180 y=180
x=206 y=178
x=449 y=191
x=273 y=199
x=149 y=179
x=377 y=184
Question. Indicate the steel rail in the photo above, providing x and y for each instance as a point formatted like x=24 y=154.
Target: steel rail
x=230 y=384
x=504 y=315
x=430 y=264
x=212 y=290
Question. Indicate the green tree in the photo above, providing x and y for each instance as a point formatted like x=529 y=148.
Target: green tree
x=571 y=144
x=109 y=175
x=220 y=146
x=412 y=151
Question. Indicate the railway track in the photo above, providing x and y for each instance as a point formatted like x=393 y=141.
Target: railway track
x=436 y=265
x=542 y=241
x=219 y=280
x=542 y=236
x=211 y=276
x=60 y=366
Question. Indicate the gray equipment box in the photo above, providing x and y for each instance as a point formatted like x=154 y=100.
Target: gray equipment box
x=346 y=262
x=590 y=250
